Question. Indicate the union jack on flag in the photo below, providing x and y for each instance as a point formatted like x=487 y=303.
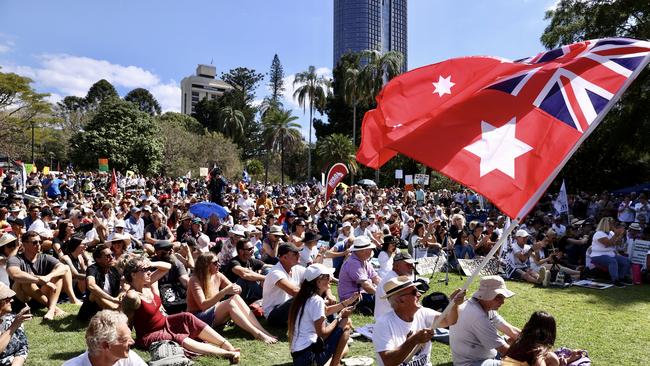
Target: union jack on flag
x=503 y=128
x=574 y=83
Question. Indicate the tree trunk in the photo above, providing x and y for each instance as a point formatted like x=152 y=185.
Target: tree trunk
x=266 y=169
x=354 y=132
x=311 y=108
x=282 y=161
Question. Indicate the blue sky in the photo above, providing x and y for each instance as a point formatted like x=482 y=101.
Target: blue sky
x=65 y=45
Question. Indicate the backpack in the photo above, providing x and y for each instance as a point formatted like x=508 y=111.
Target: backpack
x=437 y=301
x=168 y=353
x=173 y=298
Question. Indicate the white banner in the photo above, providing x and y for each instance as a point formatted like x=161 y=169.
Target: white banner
x=561 y=204
x=203 y=172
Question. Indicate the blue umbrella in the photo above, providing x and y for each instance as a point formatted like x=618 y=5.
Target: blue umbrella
x=206 y=209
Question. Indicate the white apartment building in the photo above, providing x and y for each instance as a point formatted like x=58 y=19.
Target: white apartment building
x=202 y=85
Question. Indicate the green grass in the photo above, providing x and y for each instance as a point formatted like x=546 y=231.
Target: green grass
x=611 y=324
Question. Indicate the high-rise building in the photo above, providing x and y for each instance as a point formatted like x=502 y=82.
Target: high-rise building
x=370 y=24
x=202 y=85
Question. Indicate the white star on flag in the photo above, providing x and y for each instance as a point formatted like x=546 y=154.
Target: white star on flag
x=443 y=86
x=498 y=148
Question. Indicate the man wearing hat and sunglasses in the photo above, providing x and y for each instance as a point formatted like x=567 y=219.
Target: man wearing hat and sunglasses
x=403 y=265
x=403 y=336
x=474 y=339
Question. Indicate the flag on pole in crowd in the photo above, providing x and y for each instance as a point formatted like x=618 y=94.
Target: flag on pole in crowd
x=113 y=188
x=103 y=165
x=189 y=174
x=335 y=175
x=503 y=128
x=245 y=177
x=561 y=204
x=24 y=175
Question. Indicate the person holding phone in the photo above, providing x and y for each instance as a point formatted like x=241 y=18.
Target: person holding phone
x=13 y=341
x=313 y=339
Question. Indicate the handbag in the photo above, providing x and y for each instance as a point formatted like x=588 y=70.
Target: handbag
x=173 y=298
x=168 y=353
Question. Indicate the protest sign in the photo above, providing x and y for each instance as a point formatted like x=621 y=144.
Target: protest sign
x=399 y=174
x=422 y=179
x=640 y=250
x=468 y=266
x=203 y=172
x=429 y=265
x=408 y=179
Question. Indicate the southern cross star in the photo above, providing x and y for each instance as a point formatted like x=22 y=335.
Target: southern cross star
x=498 y=148
x=443 y=86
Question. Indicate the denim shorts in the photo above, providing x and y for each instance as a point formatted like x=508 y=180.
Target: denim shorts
x=308 y=357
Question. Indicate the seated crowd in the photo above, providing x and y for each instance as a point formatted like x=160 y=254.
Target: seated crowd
x=139 y=259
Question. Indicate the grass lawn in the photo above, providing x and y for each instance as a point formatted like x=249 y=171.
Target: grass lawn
x=612 y=324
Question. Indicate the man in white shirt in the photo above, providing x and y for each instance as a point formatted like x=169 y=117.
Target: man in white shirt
x=474 y=339
x=519 y=258
x=281 y=285
x=245 y=202
x=403 y=265
x=403 y=336
x=108 y=338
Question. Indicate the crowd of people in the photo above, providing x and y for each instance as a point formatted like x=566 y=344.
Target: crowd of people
x=133 y=255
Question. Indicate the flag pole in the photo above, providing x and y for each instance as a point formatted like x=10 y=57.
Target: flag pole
x=495 y=248
x=470 y=279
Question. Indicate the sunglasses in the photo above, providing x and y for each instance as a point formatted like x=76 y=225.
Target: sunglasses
x=413 y=292
x=216 y=263
x=249 y=249
x=109 y=255
x=35 y=242
x=146 y=269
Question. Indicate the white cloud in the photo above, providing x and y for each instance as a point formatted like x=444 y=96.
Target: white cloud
x=74 y=75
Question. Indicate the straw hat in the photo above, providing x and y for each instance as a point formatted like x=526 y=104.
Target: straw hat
x=398 y=284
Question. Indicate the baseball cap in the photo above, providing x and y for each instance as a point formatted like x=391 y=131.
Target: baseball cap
x=317 y=269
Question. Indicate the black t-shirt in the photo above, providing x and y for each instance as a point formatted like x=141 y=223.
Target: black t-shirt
x=161 y=233
x=173 y=276
x=42 y=265
x=253 y=264
x=100 y=278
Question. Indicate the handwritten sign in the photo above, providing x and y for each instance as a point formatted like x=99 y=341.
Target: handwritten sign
x=640 y=250
x=422 y=179
x=429 y=265
x=469 y=265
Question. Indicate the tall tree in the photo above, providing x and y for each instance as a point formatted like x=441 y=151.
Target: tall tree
x=378 y=69
x=233 y=122
x=99 y=92
x=129 y=138
x=276 y=80
x=623 y=133
x=20 y=107
x=312 y=89
x=144 y=100
x=336 y=148
x=280 y=130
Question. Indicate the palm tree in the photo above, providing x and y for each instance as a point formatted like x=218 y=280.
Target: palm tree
x=233 y=122
x=313 y=88
x=337 y=148
x=378 y=69
x=280 y=130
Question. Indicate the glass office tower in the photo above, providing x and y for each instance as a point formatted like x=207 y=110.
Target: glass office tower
x=370 y=24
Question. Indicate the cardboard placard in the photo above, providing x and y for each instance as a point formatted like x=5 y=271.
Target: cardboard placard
x=428 y=265
x=408 y=179
x=468 y=266
x=422 y=179
x=399 y=174
x=203 y=172
x=640 y=250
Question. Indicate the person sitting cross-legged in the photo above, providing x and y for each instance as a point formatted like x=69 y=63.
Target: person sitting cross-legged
x=40 y=277
x=357 y=275
x=247 y=272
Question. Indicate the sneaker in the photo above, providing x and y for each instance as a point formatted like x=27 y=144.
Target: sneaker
x=547 y=279
x=541 y=275
x=619 y=284
x=627 y=281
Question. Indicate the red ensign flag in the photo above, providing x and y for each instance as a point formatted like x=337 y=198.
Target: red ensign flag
x=503 y=128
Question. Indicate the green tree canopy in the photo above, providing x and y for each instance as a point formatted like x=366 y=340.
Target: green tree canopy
x=616 y=154
x=20 y=107
x=99 y=92
x=128 y=137
x=280 y=132
x=334 y=149
x=144 y=101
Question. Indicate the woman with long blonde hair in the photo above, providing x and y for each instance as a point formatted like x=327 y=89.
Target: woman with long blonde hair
x=206 y=298
x=608 y=235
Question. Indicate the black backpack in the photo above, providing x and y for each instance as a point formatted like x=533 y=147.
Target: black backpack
x=437 y=301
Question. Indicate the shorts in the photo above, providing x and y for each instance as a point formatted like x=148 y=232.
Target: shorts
x=206 y=316
x=308 y=356
x=518 y=273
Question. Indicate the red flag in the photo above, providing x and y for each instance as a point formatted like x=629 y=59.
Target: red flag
x=336 y=174
x=503 y=128
x=113 y=188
